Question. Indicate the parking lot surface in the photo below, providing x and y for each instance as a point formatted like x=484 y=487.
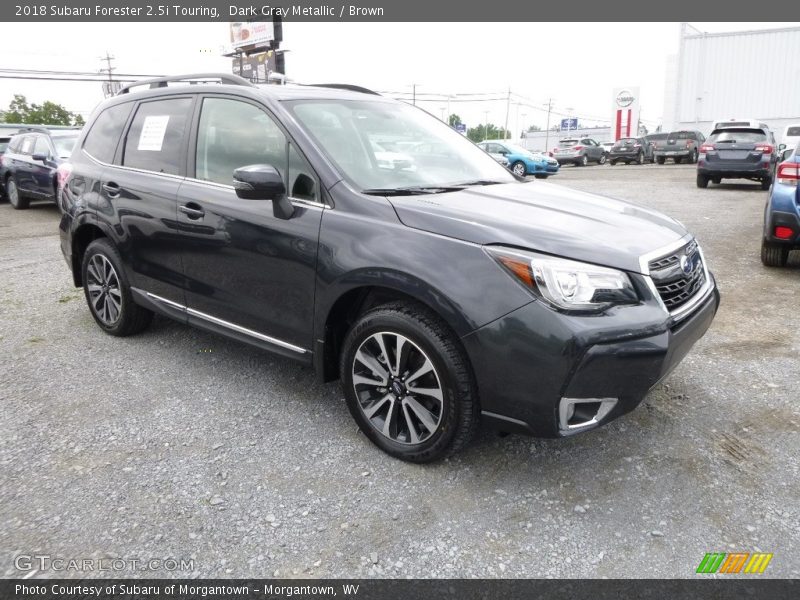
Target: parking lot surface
x=180 y=444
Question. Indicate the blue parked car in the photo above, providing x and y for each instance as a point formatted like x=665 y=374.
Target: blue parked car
x=782 y=215
x=522 y=161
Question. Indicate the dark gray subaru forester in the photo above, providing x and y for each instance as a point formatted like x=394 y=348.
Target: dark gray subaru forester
x=365 y=238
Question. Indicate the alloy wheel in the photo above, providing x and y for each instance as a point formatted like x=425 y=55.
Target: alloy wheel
x=104 y=289
x=13 y=193
x=398 y=388
x=519 y=169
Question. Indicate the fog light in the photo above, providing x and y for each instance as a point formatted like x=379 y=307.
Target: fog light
x=577 y=414
x=783 y=233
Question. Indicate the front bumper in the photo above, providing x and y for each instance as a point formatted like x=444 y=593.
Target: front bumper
x=533 y=359
x=568 y=158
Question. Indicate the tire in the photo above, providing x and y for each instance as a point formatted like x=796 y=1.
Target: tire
x=15 y=197
x=702 y=181
x=519 y=169
x=446 y=422
x=693 y=158
x=678 y=160
x=660 y=160
x=774 y=255
x=584 y=160
x=613 y=162
x=716 y=180
x=108 y=293
x=765 y=183
x=541 y=176
x=602 y=159
x=640 y=159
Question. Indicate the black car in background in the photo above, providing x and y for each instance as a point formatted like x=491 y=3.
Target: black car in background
x=738 y=153
x=630 y=150
x=679 y=146
x=28 y=166
x=441 y=294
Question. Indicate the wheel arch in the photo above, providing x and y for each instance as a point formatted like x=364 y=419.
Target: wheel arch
x=339 y=314
x=83 y=235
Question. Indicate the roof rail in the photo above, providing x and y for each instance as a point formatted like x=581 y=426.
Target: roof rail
x=345 y=86
x=191 y=78
x=33 y=129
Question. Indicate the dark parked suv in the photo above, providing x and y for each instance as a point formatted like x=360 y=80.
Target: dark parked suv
x=29 y=164
x=441 y=293
x=630 y=150
x=738 y=153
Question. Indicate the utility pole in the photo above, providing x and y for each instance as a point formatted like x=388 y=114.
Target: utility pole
x=549 y=106
x=508 y=108
x=486 y=124
x=108 y=87
x=414 y=94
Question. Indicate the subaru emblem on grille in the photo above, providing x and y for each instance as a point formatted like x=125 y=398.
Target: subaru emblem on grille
x=687 y=264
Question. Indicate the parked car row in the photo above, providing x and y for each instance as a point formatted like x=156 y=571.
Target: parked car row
x=29 y=161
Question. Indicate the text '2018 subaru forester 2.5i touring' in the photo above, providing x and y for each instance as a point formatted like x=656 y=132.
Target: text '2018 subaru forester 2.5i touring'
x=442 y=290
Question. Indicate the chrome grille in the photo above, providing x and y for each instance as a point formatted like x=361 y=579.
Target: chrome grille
x=678 y=276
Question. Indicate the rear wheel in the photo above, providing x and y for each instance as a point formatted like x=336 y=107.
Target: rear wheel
x=766 y=182
x=613 y=162
x=702 y=181
x=108 y=293
x=640 y=159
x=583 y=161
x=602 y=160
x=14 y=196
x=678 y=160
x=774 y=255
x=660 y=160
x=694 y=156
x=518 y=168
x=408 y=383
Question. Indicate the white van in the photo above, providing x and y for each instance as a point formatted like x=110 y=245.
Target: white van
x=746 y=123
x=791 y=136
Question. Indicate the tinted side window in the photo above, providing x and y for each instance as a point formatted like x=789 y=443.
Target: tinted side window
x=156 y=137
x=41 y=146
x=26 y=146
x=235 y=134
x=101 y=142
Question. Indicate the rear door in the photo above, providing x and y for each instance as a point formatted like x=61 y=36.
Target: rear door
x=22 y=166
x=138 y=194
x=247 y=271
x=43 y=171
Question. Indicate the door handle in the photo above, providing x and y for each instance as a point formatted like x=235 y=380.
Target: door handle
x=192 y=210
x=111 y=189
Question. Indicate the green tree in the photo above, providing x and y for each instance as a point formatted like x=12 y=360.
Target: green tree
x=534 y=128
x=454 y=120
x=48 y=113
x=487 y=132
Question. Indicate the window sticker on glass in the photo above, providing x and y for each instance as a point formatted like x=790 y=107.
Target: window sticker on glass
x=153 y=130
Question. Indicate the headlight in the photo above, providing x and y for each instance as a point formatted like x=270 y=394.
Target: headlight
x=566 y=284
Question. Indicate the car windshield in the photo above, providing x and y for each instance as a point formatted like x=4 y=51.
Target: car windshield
x=627 y=141
x=793 y=131
x=64 y=144
x=387 y=146
x=737 y=136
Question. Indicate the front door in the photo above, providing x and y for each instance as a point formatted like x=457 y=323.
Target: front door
x=245 y=269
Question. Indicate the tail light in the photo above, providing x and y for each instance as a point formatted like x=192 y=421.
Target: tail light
x=766 y=148
x=783 y=233
x=637 y=145
x=62 y=174
x=707 y=148
x=788 y=173
x=577 y=148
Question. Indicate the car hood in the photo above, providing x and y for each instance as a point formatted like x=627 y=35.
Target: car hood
x=544 y=217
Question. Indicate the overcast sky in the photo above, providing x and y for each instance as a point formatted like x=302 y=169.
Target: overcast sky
x=576 y=64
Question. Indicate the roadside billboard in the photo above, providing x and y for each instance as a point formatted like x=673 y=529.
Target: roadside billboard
x=250 y=34
x=255 y=67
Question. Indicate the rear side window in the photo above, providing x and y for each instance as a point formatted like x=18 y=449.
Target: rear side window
x=41 y=146
x=26 y=146
x=793 y=131
x=155 y=140
x=101 y=142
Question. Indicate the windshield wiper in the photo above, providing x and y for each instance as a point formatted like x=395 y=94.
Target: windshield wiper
x=465 y=184
x=411 y=190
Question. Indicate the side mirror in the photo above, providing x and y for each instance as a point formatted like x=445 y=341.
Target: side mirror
x=40 y=157
x=781 y=147
x=263 y=182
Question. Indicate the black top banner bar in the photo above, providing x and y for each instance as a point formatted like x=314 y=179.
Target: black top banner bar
x=399 y=11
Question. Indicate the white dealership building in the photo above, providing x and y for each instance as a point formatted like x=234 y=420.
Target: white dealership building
x=741 y=75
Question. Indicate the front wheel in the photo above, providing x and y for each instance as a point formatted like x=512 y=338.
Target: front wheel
x=640 y=159
x=602 y=160
x=108 y=293
x=774 y=255
x=583 y=161
x=765 y=183
x=14 y=197
x=518 y=168
x=408 y=383
x=702 y=181
x=660 y=160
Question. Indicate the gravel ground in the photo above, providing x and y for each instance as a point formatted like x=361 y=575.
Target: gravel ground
x=180 y=444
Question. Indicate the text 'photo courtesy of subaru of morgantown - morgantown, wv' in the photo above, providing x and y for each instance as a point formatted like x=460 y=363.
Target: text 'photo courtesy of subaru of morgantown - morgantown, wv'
x=369 y=240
